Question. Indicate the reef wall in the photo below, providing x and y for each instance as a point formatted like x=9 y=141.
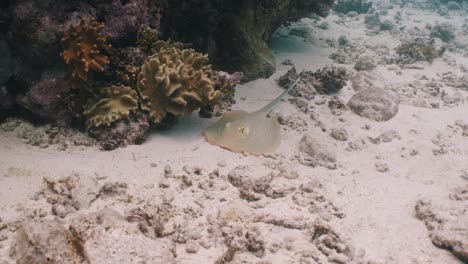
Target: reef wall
x=235 y=34
x=50 y=47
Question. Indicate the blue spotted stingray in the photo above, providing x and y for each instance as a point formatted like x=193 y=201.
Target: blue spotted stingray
x=255 y=133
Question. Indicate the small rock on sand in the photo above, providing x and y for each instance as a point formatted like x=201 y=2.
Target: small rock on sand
x=375 y=104
x=313 y=153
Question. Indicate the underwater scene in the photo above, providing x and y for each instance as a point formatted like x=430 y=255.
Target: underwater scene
x=234 y=131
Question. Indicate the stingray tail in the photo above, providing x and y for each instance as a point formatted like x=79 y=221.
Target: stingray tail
x=267 y=109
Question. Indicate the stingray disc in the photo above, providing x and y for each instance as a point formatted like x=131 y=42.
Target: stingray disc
x=240 y=131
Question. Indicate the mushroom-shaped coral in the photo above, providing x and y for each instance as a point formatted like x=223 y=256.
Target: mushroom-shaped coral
x=115 y=103
x=82 y=45
x=175 y=81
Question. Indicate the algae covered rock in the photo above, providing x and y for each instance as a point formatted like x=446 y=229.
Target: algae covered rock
x=175 y=81
x=115 y=103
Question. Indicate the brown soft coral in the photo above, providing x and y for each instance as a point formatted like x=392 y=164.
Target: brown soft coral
x=82 y=45
x=116 y=102
x=175 y=81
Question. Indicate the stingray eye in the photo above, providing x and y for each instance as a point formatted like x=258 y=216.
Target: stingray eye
x=244 y=131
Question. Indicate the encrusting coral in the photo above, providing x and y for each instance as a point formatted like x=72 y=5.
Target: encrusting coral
x=115 y=103
x=175 y=81
x=82 y=45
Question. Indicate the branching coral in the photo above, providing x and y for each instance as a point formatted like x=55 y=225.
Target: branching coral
x=115 y=103
x=175 y=81
x=82 y=45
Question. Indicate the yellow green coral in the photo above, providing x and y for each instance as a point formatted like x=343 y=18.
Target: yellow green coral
x=175 y=81
x=115 y=103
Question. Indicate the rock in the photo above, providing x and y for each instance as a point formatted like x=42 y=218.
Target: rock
x=375 y=104
x=446 y=221
x=365 y=63
x=312 y=152
x=192 y=246
x=251 y=187
x=6 y=69
x=46 y=99
x=381 y=167
x=47 y=241
x=7 y=101
x=242 y=46
x=236 y=210
x=122 y=133
x=386 y=137
x=70 y=193
x=336 y=105
x=106 y=232
x=339 y=134
x=364 y=80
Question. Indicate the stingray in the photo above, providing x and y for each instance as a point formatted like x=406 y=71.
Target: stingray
x=255 y=133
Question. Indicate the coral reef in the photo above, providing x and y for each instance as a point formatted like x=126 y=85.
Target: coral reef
x=132 y=130
x=175 y=81
x=124 y=66
x=46 y=99
x=82 y=45
x=114 y=103
x=226 y=84
x=105 y=44
x=346 y=6
x=416 y=50
x=124 y=19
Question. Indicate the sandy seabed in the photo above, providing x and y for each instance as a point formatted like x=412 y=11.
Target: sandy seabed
x=365 y=191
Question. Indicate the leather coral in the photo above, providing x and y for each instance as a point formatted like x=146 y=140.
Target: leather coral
x=82 y=45
x=114 y=103
x=175 y=81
